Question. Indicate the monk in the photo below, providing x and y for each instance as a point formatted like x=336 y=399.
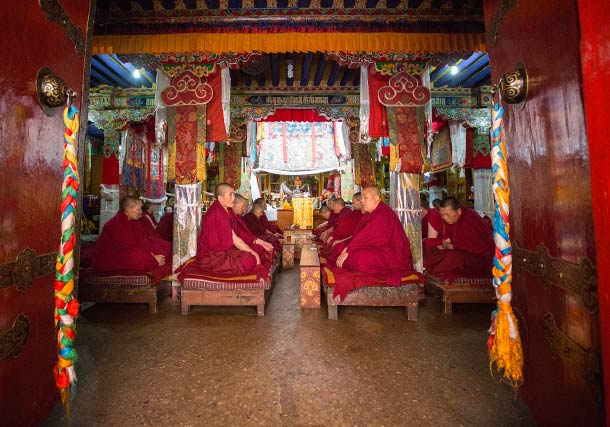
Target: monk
x=124 y=248
x=464 y=248
x=325 y=212
x=345 y=227
x=265 y=221
x=341 y=212
x=165 y=228
x=379 y=249
x=254 y=221
x=219 y=249
x=240 y=207
x=149 y=222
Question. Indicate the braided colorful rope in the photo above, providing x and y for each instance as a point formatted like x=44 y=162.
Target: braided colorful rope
x=504 y=345
x=66 y=306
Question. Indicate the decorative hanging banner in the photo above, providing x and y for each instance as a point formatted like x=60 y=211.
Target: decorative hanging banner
x=186 y=144
x=441 y=150
x=66 y=306
x=504 y=344
x=363 y=159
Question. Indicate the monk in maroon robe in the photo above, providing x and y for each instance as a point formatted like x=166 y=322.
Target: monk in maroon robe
x=124 y=247
x=344 y=230
x=148 y=220
x=341 y=212
x=272 y=228
x=465 y=248
x=326 y=213
x=253 y=220
x=219 y=249
x=379 y=248
x=263 y=248
x=165 y=228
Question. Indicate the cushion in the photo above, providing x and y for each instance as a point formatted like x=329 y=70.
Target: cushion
x=203 y=281
x=118 y=281
x=411 y=279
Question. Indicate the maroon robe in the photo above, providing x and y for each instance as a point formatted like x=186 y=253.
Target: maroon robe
x=331 y=222
x=347 y=222
x=473 y=251
x=444 y=230
x=124 y=248
x=215 y=250
x=244 y=233
x=257 y=226
x=424 y=226
x=380 y=248
x=268 y=226
x=165 y=228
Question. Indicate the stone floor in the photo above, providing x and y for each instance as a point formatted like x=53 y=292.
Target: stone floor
x=224 y=366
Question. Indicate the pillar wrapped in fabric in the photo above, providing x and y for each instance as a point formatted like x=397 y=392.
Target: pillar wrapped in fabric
x=404 y=199
x=303 y=211
x=187 y=220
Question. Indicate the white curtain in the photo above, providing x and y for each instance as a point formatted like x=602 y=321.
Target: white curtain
x=425 y=79
x=161 y=84
x=365 y=103
x=457 y=133
x=226 y=96
x=483 y=194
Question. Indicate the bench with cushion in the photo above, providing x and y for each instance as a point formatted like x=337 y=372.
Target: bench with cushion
x=141 y=288
x=407 y=295
x=470 y=290
x=209 y=289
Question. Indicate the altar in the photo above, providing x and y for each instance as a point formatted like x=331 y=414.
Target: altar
x=303 y=212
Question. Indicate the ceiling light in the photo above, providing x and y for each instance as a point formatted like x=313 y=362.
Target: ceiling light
x=454 y=70
x=136 y=74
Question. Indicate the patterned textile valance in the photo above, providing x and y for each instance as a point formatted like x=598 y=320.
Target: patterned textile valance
x=289 y=42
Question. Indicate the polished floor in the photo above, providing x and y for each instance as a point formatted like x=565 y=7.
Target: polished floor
x=224 y=366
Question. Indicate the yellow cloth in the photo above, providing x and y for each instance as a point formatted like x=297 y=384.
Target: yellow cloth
x=303 y=211
x=290 y=42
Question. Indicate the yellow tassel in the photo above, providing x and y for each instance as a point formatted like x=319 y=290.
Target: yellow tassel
x=65 y=401
x=506 y=355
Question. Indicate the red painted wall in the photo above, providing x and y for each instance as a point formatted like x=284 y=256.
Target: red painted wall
x=30 y=187
x=595 y=57
x=550 y=197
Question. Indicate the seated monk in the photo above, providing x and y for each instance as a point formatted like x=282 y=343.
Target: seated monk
x=268 y=226
x=148 y=220
x=465 y=246
x=123 y=247
x=256 y=224
x=165 y=228
x=325 y=212
x=341 y=212
x=346 y=227
x=219 y=249
x=240 y=207
x=380 y=245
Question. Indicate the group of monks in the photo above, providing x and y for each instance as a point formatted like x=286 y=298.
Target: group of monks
x=368 y=241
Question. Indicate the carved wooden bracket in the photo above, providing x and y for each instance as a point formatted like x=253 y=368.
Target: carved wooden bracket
x=584 y=361
x=54 y=12
x=496 y=21
x=25 y=269
x=580 y=279
x=13 y=340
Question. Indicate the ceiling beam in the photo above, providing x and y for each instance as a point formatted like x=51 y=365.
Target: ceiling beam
x=306 y=68
x=319 y=70
x=334 y=72
x=275 y=70
x=108 y=72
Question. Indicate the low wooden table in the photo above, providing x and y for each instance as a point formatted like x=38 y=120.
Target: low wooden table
x=310 y=277
x=294 y=239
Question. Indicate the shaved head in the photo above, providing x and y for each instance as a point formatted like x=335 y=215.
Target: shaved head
x=225 y=194
x=338 y=205
x=222 y=189
x=129 y=201
x=371 y=197
x=240 y=205
x=325 y=211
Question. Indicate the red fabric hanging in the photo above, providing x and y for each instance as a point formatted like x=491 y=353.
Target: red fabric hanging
x=378 y=120
x=469 y=161
x=215 y=127
x=295 y=115
x=110 y=170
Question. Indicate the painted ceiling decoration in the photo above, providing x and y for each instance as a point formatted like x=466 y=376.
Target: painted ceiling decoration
x=289 y=45
x=269 y=16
